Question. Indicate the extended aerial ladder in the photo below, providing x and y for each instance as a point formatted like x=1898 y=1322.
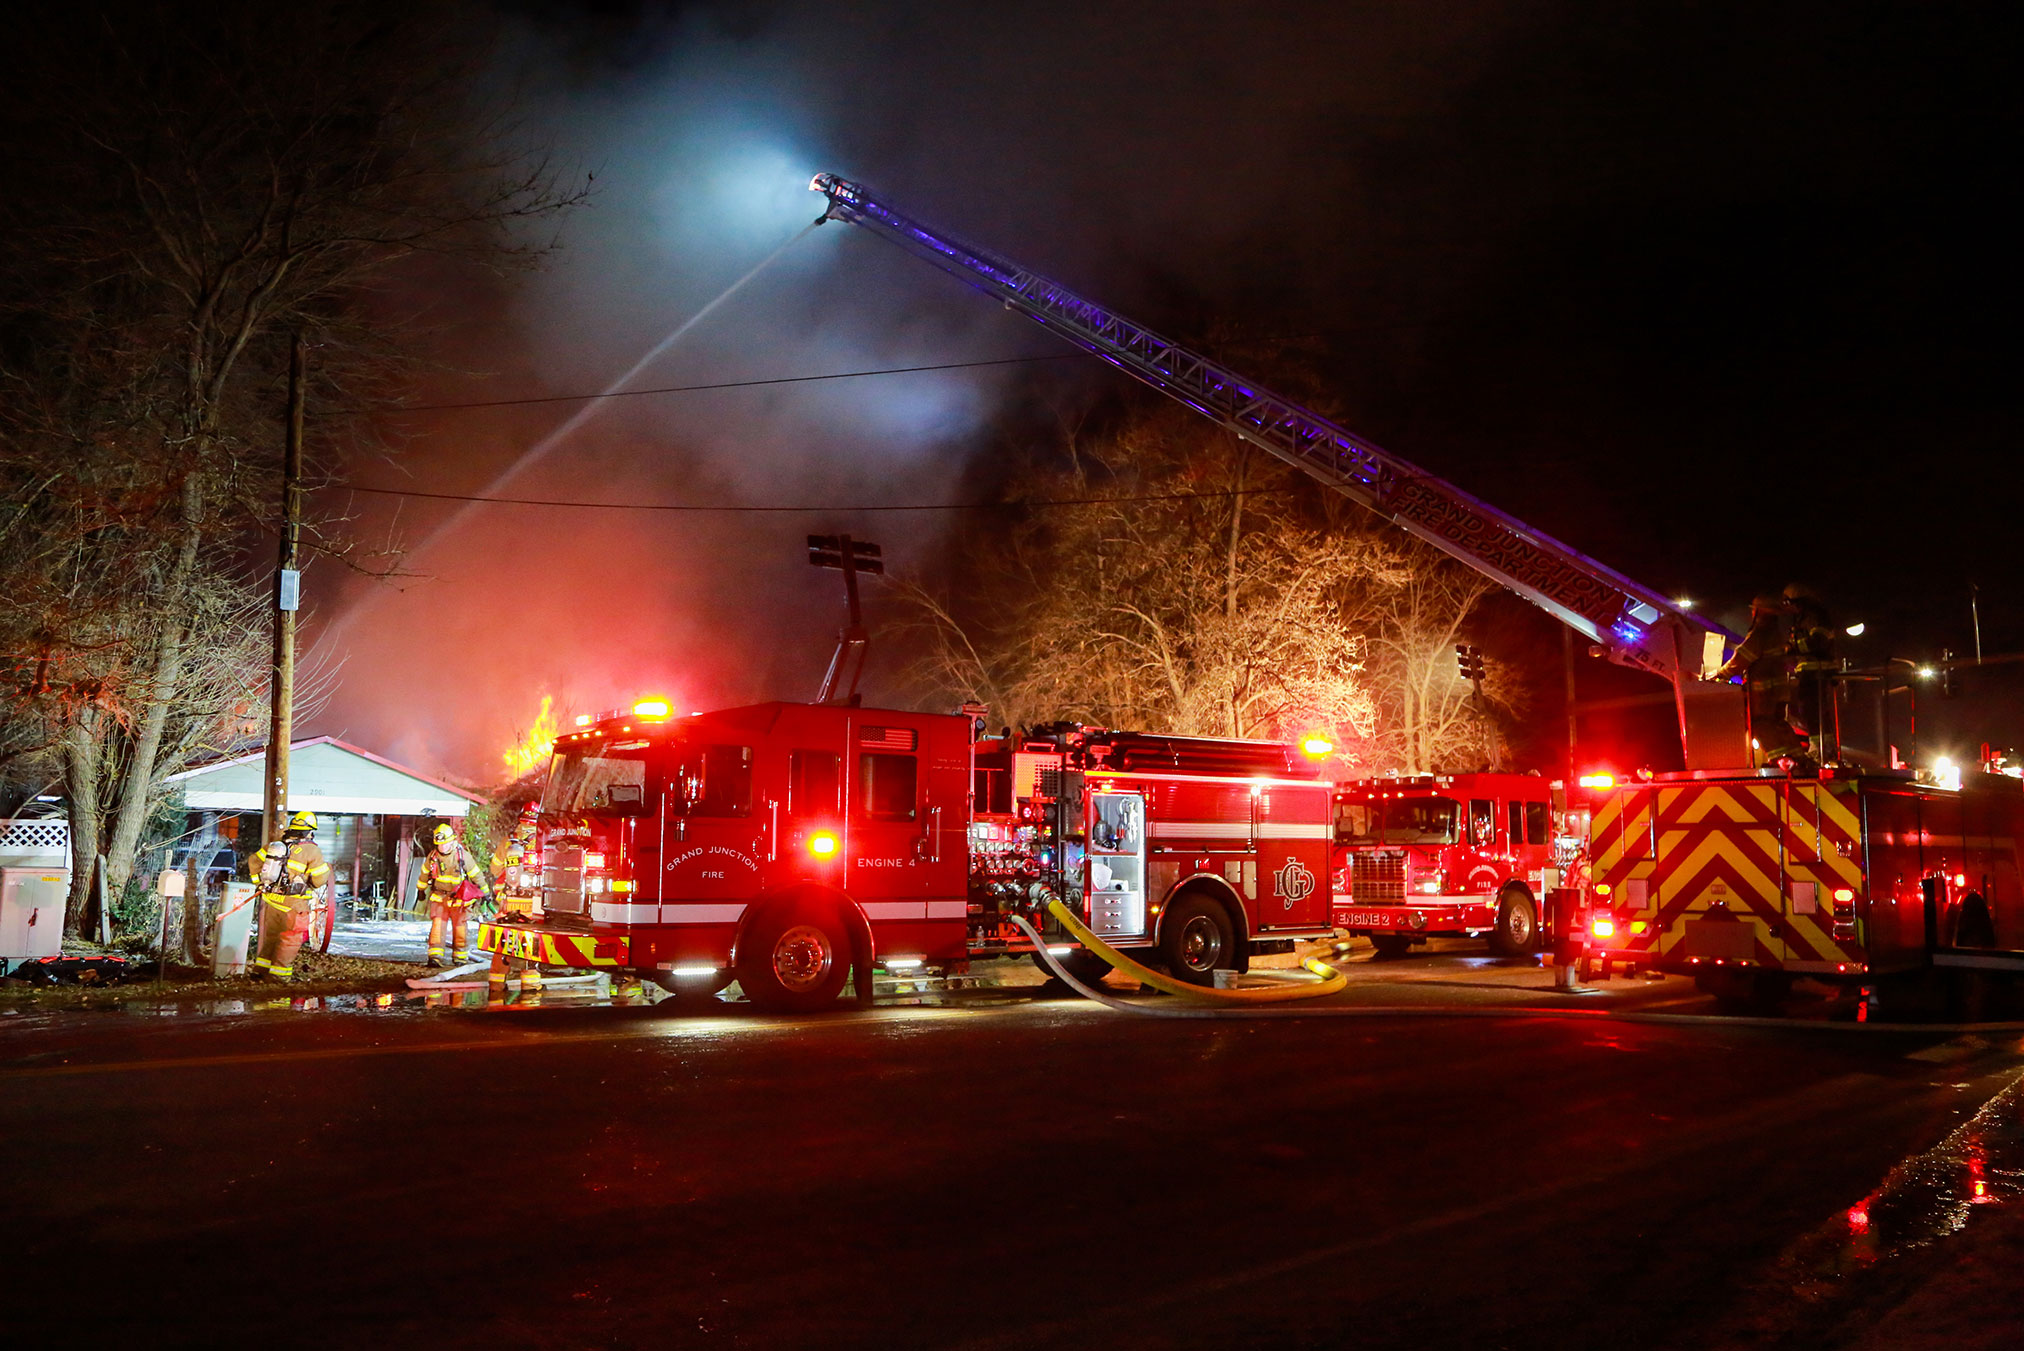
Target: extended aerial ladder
x=1630 y=624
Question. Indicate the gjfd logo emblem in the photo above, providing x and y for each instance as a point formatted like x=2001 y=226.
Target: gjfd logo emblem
x=1293 y=883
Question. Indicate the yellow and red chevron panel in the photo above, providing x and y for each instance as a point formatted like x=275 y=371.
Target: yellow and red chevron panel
x=1685 y=860
x=553 y=949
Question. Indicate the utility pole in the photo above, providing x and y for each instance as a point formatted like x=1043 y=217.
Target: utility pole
x=1567 y=670
x=1975 y=612
x=287 y=596
x=1469 y=661
x=851 y=557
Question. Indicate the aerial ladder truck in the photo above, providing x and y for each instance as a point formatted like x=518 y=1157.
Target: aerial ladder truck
x=1741 y=875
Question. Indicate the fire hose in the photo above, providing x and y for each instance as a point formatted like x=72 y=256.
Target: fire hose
x=1244 y=1003
x=1332 y=981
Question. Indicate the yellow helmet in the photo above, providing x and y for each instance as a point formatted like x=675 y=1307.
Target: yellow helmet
x=303 y=821
x=443 y=833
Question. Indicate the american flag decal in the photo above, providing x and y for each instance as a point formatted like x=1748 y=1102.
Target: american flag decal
x=887 y=738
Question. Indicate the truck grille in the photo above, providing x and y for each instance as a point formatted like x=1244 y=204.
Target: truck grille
x=562 y=881
x=1377 y=878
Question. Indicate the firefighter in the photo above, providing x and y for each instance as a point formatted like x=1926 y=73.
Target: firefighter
x=518 y=888
x=450 y=880
x=514 y=880
x=289 y=870
x=1810 y=651
x=1762 y=660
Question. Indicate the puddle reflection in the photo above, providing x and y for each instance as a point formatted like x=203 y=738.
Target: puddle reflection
x=1924 y=1199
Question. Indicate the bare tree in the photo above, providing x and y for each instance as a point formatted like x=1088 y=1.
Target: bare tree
x=1163 y=597
x=1191 y=584
x=210 y=181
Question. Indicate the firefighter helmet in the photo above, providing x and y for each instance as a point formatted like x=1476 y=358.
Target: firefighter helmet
x=1769 y=603
x=445 y=836
x=529 y=812
x=302 y=821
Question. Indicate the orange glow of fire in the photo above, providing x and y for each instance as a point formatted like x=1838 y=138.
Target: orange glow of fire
x=534 y=748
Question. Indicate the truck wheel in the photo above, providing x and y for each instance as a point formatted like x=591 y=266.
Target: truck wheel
x=795 y=959
x=1391 y=947
x=1517 y=923
x=1197 y=940
x=1082 y=964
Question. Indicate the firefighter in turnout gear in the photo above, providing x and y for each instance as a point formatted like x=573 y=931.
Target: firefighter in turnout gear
x=1762 y=659
x=450 y=881
x=1811 y=651
x=516 y=879
x=290 y=871
x=517 y=884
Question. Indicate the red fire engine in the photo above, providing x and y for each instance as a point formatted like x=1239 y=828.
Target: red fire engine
x=1450 y=855
x=1746 y=879
x=782 y=845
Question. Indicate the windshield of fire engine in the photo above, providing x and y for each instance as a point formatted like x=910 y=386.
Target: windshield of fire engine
x=606 y=780
x=1415 y=820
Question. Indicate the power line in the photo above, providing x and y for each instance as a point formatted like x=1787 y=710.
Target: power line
x=1022 y=505
x=732 y=384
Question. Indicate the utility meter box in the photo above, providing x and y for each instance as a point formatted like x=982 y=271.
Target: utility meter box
x=232 y=932
x=31 y=914
x=34 y=885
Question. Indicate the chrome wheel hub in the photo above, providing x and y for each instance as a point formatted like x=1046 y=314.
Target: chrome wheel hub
x=802 y=958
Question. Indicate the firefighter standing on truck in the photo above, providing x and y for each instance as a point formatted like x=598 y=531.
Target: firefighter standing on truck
x=1812 y=656
x=450 y=880
x=1761 y=659
x=289 y=870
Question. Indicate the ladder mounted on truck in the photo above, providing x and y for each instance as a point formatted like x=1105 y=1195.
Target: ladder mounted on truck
x=1633 y=625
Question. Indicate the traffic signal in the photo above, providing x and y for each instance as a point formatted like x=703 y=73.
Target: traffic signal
x=830 y=551
x=1469 y=660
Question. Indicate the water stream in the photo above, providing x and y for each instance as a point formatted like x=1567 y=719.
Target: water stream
x=590 y=409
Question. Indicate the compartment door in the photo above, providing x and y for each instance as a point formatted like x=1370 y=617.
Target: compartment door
x=1117 y=864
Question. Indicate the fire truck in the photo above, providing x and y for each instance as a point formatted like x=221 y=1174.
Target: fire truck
x=1860 y=872
x=1451 y=855
x=785 y=845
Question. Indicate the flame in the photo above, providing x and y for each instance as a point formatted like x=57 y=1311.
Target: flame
x=534 y=748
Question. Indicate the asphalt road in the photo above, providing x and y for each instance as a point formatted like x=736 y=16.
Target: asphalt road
x=990 y=1171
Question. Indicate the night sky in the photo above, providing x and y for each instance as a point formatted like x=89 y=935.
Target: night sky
x=1719 y=293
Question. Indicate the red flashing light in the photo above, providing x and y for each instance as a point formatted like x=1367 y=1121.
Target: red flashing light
x=1858 y=1218
x=653 y=708
x=1599 y=779
x=1843 y=895
x=593 y=860
x=1602 y=926
x=1602 y=889
x=823 y=844
x=1317 y=746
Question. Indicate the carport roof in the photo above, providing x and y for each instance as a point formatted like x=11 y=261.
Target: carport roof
x=324 y=775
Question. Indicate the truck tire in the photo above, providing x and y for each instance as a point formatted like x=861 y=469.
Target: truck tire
x=1082 y=964
x=1391 y=947
x=1198 y=940
x=795 y=958
x=1517 y=928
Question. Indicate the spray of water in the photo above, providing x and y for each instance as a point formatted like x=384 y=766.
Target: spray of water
x=536 y=452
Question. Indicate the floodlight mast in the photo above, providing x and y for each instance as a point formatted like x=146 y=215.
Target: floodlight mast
x=1631 y=624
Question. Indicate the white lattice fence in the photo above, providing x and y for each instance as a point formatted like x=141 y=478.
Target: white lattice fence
x=38 y=843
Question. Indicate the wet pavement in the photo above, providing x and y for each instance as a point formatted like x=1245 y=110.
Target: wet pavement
x=993 y=1166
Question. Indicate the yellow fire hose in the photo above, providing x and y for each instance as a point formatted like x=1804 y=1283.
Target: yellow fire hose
x=1332 y=981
